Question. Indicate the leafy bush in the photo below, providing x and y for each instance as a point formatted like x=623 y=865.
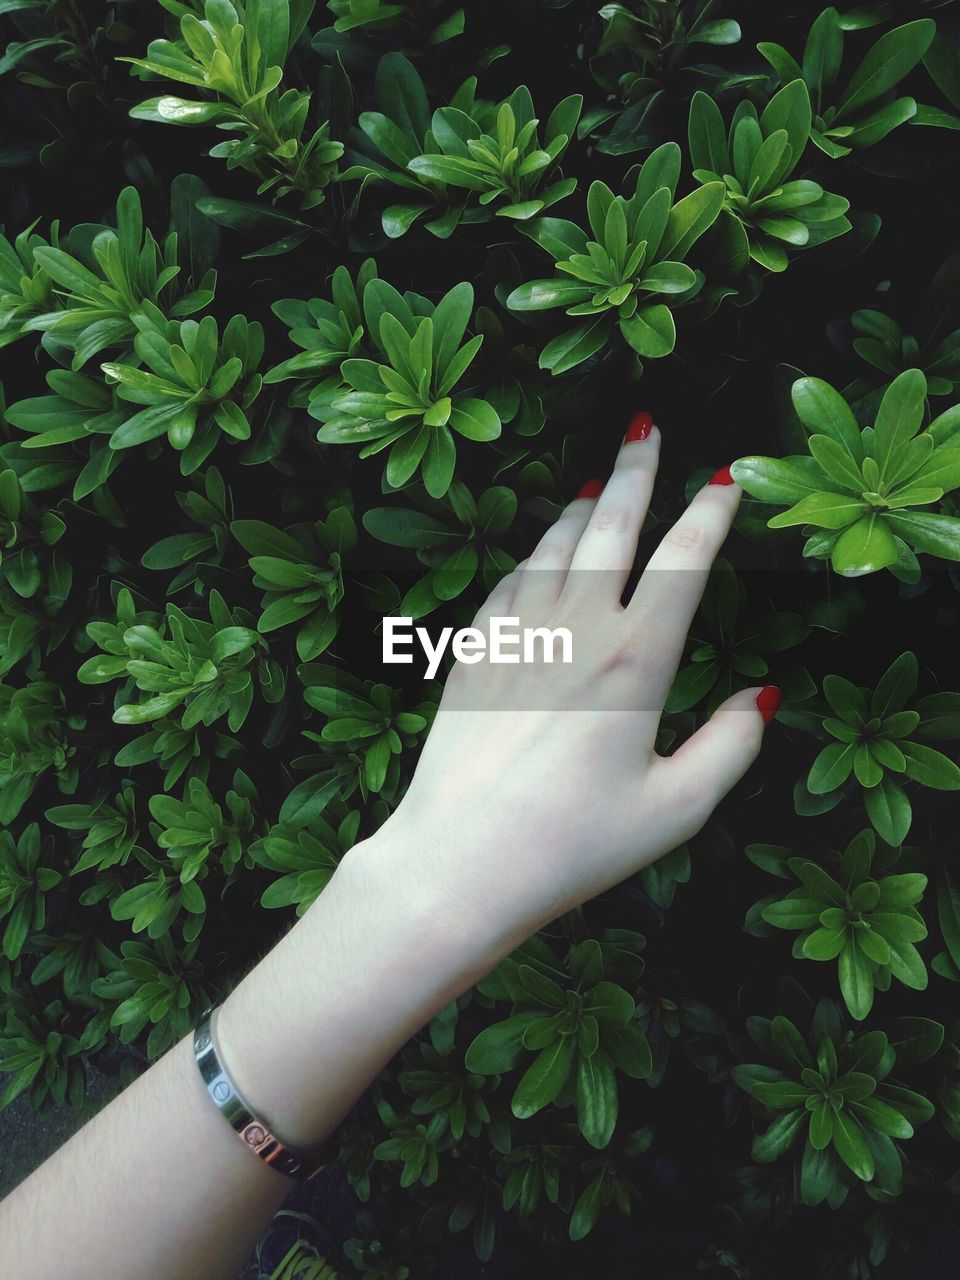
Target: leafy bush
x=339 y=343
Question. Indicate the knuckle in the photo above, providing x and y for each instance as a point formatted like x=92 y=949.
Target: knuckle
x=611 y=517
x=551 y=551
x=688 y=537
x=635 y=660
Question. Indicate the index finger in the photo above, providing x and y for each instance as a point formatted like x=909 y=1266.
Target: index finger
x=671 y=586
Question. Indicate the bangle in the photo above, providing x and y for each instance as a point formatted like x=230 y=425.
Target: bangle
x=254 y=1133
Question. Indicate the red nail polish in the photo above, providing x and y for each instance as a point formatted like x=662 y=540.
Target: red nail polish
x=641 y=424
x=768 y=702
x=592 y=489
x=722 y=476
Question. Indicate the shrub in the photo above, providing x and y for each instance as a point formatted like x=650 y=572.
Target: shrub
x=337 y=341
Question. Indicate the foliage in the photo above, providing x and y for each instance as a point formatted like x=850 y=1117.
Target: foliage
x=342 y=344
x=406 y=396
x=489 y=149
x=635 y=257
x=860 y=114
x=729 y=647
x=857 y=488
x=238 y=54
x=754 y=161
x=867 y=921
x=875 y=734
x=187 y=384
x=888 y=351
x=195 y=669
x=96 y=282
x=834 y=1095
x=581 y=1032
x=25 y=877
x=456 y=541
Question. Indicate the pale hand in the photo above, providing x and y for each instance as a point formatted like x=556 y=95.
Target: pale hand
x=556 y=792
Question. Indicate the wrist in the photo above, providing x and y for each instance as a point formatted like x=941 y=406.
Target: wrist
x=431 y=879
x=379 y=953
x=397 y=871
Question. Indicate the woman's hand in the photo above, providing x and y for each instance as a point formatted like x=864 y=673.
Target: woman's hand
x=539 y=785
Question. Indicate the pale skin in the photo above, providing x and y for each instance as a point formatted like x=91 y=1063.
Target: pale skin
x=158 y=1185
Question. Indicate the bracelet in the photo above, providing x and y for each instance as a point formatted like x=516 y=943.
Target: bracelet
x=254 y=1133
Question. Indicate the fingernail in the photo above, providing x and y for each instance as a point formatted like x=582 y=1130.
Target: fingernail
x=592 y=489
x=641 y=424
x=722 y=476
x=768 y=702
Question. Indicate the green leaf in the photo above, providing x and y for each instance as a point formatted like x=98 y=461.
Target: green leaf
x=879 y=1115
x=668 y=277
x=781 y=1093
x=789 y=110
x=783 y=63
x=874 y=128
x=894 y=55
x=850 y=1146
x=837 y=463
x=915 y=1040
x=575 y=346
x=937 y=535
x=499 y=1047
x=541 y=295
x=630 y=1050
x=610 y=1004
x=586 y=1211
x=823 y=54
x=821 y=1126
x=597 y=1101
x=719 y=31
x=824 y=510
x=856 y=980
x=895 y=687
x=817 y=1177
x=269 y=22
x=689 y=219
x=707 y=135
x=650 y=330
x=793 y=912
x=543 y=1079
x=475 y=419
x=406 y=528
x=401 y=94
x=948 y=913
x=831 y=768
x=824 y=410
x=779 y=1137
x=846 y=699
x=824 y=944
x=930 y=768
x=889 y=810
x=778 y=479
x=232 y=640
x=865 y=547
x=899 y=418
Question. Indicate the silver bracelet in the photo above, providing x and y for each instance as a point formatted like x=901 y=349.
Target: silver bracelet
x=252 y=1132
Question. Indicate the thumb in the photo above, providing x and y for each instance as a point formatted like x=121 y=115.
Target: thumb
x=704 y=769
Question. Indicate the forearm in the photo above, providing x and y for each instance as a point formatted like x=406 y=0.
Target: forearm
x=382 y=950
x=158 y=1185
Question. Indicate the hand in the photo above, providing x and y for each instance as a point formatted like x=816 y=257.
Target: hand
x=539 y=785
